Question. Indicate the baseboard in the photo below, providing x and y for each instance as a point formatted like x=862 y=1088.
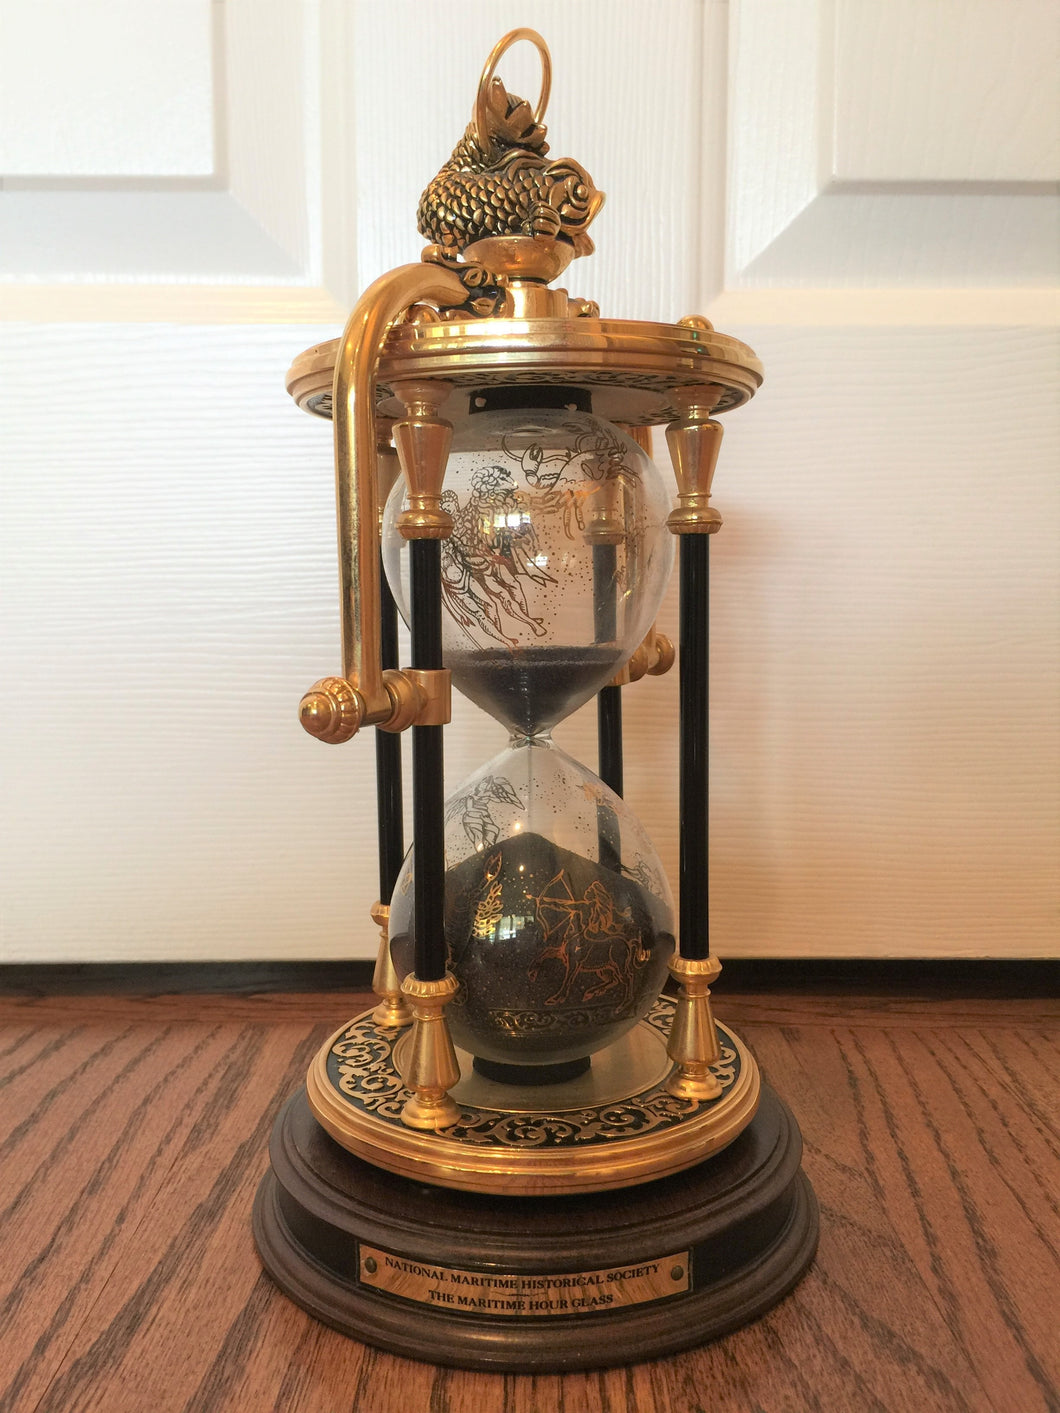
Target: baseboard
x=865 y=975
x=168 y=978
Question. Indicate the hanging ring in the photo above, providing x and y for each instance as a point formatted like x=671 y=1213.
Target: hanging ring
x=499 y=50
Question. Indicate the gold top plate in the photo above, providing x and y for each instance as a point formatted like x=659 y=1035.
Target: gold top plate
x=632 y=368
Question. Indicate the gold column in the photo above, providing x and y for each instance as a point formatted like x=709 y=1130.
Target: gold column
x=422 y=439
x=694 y=441
x=392 y=1013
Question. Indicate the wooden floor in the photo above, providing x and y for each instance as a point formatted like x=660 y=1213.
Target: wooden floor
x=133 y=1134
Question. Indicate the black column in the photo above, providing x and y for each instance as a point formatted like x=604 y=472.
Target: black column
x=609 y=736
x=608 y=704
x=428 y=825
x=695 y=744
x=609 y=701
x=388 y=759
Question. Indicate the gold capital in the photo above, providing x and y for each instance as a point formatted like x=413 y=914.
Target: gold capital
x=694 y=441
x=422 y=440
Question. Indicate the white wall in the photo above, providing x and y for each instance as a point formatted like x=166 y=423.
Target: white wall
x=873 y=207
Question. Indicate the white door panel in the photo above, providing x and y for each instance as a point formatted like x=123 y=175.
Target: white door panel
x=117 y=90
x=886 y=598
x=945 y=91
x=908 y=147
x=865 y=193
x=114 y=206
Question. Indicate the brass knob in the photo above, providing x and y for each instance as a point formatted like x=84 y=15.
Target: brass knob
x=664 y=656
x=638 y=663
x=331 y=710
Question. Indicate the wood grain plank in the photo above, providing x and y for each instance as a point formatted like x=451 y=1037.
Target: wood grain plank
x=1014 y=1059
x=773 y=1008
x=175 y=1289
x=81 y=1180
x=939 y=1012
x=946 y=1175
x=313 y=1008
x=931 y=1150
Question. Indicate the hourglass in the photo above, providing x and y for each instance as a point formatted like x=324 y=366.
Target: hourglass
x=530 y=1154
x=551 y=577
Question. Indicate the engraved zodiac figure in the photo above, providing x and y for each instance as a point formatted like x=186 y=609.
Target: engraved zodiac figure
x=599 y=451
x=474 y=809
x=591 y=939
x=490 y=908
x=489 y=557
x=597 y=456
x=639 y=872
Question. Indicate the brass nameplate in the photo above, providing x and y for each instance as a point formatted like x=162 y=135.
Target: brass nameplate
x=499 y=1294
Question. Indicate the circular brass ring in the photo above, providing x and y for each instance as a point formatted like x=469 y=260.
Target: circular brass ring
x=591 y=1161
x=499 y=50
x=633 y=369
x=406 y=699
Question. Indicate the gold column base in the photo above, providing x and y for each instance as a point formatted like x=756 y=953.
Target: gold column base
x=430 y=1112
x=432 y=1067
x=392 y=1013
x=693 y=1044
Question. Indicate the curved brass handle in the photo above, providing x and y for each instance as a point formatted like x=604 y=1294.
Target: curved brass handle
x=336 y=707
x=356 y=478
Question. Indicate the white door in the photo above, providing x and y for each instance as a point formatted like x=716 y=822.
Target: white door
x=193 y=192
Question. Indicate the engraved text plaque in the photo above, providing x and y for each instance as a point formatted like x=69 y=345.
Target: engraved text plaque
x=501 y=1294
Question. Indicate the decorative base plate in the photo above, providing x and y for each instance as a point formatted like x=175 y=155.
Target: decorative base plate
x=543 y=1284
x=613 y=1127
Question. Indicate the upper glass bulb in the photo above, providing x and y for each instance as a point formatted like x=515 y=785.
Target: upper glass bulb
x=557 y=564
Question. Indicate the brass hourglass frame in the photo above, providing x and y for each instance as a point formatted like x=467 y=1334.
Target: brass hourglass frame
x=477 y=314
x=557 y=1266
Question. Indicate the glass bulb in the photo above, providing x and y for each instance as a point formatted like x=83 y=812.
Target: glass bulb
x=557 y=563
x=559 y=919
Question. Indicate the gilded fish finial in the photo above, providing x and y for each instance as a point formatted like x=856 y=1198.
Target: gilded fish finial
x=498 y=182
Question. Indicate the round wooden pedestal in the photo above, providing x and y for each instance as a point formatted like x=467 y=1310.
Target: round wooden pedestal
x=536 y=1284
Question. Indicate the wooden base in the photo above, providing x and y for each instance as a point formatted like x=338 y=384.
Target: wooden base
x=736 y=1233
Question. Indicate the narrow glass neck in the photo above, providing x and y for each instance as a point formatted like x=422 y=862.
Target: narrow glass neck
x=542 y=739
